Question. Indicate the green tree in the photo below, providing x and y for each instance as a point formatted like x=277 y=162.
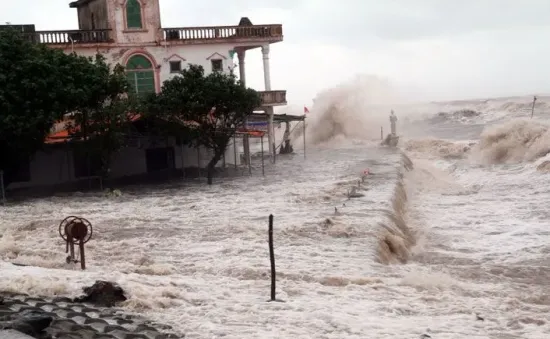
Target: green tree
x=215 y=104
x=40 y=85
x=37 y=87
x=105 y=112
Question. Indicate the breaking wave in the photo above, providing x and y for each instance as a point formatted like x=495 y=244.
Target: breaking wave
x=439 y=148
x=355 y=110
x=515 y=141
x=396 y=238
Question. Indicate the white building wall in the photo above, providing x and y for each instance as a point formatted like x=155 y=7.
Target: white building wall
x=188 y=54
x=56 y=166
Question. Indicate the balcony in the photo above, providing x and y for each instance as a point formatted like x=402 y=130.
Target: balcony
x=70 y=37
x=273 y=98
x=185 y=35
x=221 y=34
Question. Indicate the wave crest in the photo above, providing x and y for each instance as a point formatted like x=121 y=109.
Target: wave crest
x=514 y=141
x=439 y=148
x=355 y=110
x=397 y=239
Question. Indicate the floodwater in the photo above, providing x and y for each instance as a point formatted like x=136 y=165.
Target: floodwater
x=455 y=247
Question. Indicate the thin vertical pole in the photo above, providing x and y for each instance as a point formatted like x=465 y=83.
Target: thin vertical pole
x=182 y=163
x=272 y=259
x=3 y=188
x=533 y=108
x=274 y=147
x=235 y=149
x=304 y=135
x=82 y=255
x=381 y=133
x=249 y=155
x=262 y=141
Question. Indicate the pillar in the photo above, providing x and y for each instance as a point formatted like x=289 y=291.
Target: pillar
x=242 y=75
x=241 y=54
x=269 y=109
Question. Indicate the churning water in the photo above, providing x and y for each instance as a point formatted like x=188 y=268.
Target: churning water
x=456 y=227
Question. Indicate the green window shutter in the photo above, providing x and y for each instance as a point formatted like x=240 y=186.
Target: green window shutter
x=133 y=14
x=139 y=62
x=140 y=75
x=145 y=82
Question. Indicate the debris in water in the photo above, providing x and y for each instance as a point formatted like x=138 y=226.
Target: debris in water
x=102 y=293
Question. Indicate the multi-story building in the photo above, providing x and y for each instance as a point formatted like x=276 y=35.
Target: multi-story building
x=129 y=32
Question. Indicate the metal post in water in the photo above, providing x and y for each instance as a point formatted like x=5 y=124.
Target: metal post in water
x=182 y=155
x=3 y=188
x=533 y=108
x=262 y=146
x=272 y=259
x=235 y=148
x=304 y=135
x=249 y=155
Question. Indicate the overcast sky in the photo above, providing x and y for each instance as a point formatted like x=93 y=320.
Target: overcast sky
x=434 y=49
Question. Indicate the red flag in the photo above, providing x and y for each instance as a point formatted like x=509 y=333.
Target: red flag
x=306 y=110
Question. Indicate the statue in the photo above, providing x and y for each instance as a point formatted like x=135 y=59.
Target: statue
x=392 y=139
x=393 y=121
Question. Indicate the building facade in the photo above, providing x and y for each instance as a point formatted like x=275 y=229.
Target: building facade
x=129 y=32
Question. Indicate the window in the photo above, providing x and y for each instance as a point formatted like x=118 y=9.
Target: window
x=133 y=14
x=140 y=75
x=217 y=65
x=175 y=66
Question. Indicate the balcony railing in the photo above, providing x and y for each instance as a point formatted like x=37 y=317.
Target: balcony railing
x=273 y=98
x=70 y=37
x=230 y=33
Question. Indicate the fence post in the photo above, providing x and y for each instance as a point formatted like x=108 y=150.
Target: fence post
x=272 y=260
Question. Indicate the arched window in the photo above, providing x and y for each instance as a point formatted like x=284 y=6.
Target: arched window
x=133 y=14
x=140 y=74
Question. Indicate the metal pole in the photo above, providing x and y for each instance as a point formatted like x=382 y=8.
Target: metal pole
x=182 y=155
x=533 y=108
x=304 y=135
x=3 y=188
x=274 y=149
x=262 y=141
x=272 y=259
x=249 y=155
x=235 y=148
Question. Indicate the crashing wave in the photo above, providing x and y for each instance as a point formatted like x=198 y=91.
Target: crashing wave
x=515 y=141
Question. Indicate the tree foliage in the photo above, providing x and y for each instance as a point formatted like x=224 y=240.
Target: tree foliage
x=105 y=112
x=39 y=85
x=208 y=107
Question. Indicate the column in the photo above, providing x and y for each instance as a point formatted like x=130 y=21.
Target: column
x=241 y=54
x=242 y=75
x=269 y=109
x=267 y=73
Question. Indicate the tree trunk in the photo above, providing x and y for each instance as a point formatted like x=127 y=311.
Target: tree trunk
x=212 y=165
